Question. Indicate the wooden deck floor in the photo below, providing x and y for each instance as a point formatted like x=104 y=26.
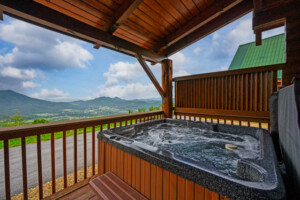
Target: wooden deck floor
x=84 y=193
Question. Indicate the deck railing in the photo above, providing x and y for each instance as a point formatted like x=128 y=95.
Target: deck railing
x=237 y=95
x=22 y=132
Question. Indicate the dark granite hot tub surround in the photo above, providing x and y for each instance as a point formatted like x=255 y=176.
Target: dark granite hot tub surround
x=262 y=179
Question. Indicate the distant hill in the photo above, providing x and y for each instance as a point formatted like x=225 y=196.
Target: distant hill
x=15 y=103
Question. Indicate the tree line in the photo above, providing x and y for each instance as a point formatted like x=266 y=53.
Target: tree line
x=144 y=109
x=18 y=120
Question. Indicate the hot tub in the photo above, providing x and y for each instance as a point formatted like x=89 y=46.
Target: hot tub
x=169 y=159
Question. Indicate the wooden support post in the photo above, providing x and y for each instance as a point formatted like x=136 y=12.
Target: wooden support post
x=258 y=38
x=1 y=15
x=292 y=49
x=167 y=70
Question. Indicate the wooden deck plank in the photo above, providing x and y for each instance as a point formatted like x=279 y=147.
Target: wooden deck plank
x=83 y=193
x=109 y=186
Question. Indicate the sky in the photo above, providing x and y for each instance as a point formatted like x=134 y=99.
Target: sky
x=47 y=65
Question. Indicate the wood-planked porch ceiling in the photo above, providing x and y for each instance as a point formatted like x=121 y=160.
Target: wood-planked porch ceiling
x=154 y=29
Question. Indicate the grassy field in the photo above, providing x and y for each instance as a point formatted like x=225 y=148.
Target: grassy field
x=33 y=139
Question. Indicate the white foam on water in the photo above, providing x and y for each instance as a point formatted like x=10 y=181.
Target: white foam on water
x=200 y=145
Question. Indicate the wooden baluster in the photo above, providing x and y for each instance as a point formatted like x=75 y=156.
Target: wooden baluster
x=259 y=125
x=24 y=168
x=108 y=126
x=65 y=159
x=93 y=149
x=249 y=124
x=240 y=122
x=6 y=168
x=84 y=154
x=75 y=155
x=53 y=162
x=115 y=125
x=218 y=120
x=40 y=172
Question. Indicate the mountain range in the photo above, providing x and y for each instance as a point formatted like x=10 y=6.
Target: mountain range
x=15 y=103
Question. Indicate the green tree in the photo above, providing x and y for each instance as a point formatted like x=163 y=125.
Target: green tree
x=130 y=111
x=143 y=109
x=151 y=108
x=15 y=120
x=40 y=121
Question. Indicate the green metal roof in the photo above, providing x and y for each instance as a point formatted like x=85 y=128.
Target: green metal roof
x=272 y=51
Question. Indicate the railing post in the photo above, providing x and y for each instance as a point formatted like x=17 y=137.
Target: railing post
x=167 y=70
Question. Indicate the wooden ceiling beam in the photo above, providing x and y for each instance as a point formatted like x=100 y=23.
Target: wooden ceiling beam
x=125 y=10
x=43 y=16
x=274 y=16
x=151 y=76
x=215 y=10
x=223 y=19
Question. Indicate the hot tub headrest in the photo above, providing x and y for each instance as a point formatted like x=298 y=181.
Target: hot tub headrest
x=289 y=132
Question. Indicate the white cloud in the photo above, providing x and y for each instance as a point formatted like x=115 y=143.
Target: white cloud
x=35 y=50
x=180 y=62
x=179 y=59
x=224 y=68
x=216 y=36
x=215 y=44
x=123 y=71
x=129 y=91
x=178 y=73
x=30 y=84
x=197 y=50
x=243 y=33
x=18 y=73
x=70 y=54
x=41 y=48
x=54 y=94
x=127 y=80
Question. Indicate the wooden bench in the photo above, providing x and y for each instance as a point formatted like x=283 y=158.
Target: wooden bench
x=108 y=186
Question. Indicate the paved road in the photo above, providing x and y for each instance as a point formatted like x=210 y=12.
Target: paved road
x=32 y=172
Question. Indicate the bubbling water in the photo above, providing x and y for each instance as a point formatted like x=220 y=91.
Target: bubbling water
x=200 y=145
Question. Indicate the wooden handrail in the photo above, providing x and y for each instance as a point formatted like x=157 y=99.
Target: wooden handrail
x=232 y=72
x=37 y=129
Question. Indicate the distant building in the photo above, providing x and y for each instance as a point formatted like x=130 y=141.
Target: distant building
x=272 y=51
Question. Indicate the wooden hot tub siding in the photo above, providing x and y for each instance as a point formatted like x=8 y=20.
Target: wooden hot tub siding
x=151 y=181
